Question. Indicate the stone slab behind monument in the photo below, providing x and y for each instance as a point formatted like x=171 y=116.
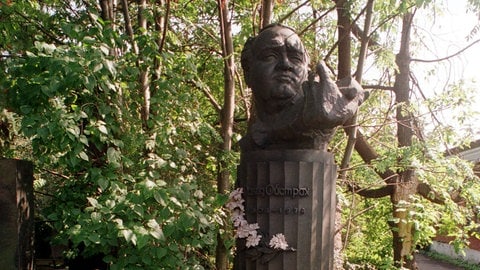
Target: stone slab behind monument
x=16 y=215
x=290 y=192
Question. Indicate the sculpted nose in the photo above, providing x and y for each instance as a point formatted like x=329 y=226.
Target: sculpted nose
x=284 y=63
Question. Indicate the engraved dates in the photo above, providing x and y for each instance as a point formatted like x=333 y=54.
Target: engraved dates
x=280 y=210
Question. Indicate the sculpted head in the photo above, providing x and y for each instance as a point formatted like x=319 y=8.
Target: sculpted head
x=275 y=65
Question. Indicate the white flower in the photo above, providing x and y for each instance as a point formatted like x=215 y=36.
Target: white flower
x=236 y=195
x=243 y=230
x=254 y=226
x=278 y=241
x=236 y=204
x=237 y=215
x=253 y=239
x=236 y=200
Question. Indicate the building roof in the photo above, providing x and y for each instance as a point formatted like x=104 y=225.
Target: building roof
x=470 y=153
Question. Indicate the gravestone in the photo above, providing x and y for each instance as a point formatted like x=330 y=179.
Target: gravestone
x=16 y=215
x=291 y=192
x=286 y=175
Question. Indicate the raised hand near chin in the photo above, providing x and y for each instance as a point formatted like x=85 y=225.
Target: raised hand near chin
x=329 y=104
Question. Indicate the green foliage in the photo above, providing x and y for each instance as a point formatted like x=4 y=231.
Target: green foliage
x=143 y=197
x=369 y=240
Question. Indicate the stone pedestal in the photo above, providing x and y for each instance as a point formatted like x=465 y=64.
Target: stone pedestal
x=16 y=215
x=290 y=192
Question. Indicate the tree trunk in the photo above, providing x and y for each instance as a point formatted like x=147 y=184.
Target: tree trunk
x=406 y=185
x=144 y=69
x=344 y=40
x=344 y=70
x=226 y=117
x=267 y=12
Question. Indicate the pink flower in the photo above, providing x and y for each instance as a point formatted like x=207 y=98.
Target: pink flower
x=278 y=241
x=236 y=200
x=236 y=204
x=254 y=226
x=253 y=239
x=236 y=195
x=237 y=216
x=243 y=230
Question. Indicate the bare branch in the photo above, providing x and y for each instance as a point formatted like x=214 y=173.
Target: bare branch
x=128 y=25
x=371 y=193
x=164 y=26
x=316 y=20
x=353 y=217
x=243 y=94
x=293 y=11
x=57 y=174
x=40 y=27
x=206 y=90
x=378 y=87
x=430 y=194
x=446 y=57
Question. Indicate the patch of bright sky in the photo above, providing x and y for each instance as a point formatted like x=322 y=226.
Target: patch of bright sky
x=445 y=33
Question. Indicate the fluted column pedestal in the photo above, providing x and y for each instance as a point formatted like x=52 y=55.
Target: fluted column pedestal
x=291 y=192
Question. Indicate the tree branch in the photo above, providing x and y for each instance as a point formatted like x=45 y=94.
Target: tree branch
x=351 y=124
x=353 y=217
x=316 y=20
x=206 y=90
x=41 y=28
x=427 y=192
x=57 y=174
x=293 y=11
x=164 y=26
x=446 y=57
x=378 y=87
x=371 y=193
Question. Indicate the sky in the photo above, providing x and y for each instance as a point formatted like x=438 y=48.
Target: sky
x=445 y=33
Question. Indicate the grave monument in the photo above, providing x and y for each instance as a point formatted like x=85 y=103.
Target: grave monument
x=285 y=211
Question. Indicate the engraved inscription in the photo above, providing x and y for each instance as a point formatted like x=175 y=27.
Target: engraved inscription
x=276 y=190
x=280 y=210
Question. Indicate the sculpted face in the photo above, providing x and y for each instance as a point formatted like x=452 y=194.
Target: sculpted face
x=278 y=68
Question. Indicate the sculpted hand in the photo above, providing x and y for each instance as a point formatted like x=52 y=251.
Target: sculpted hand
x=327 y=104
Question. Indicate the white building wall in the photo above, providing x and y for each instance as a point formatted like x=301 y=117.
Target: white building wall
x=468 y=255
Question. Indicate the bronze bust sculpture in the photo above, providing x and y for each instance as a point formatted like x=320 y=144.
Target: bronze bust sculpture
x=294 y=107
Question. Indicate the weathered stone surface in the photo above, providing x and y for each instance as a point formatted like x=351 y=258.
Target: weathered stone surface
x=16 y=215
x=290 y=192
x=295 y=107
